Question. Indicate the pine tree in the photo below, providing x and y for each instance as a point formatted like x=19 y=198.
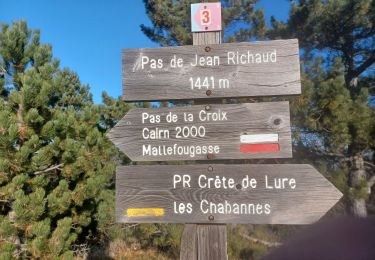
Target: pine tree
x=56 y=166
x=337 y=37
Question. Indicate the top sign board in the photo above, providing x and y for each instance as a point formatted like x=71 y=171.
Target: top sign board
x=206 y=17
x=247 y=69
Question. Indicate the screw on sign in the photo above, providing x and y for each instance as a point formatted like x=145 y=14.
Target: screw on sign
x=206 y=17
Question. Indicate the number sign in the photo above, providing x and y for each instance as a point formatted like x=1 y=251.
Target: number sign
x=206 y=17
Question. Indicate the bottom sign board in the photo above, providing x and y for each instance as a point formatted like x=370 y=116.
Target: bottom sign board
x=217 y=193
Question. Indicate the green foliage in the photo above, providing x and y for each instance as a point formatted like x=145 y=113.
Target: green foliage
x=241 y=248
x=164 y=237
x=326 y=108
x=62 y=237
x=56 y=166
x=112 y=111
x=359 y=192
x=327 y=24
x=29 y=208
x=59 y=199
x=343 y=32
x=6 y=227
x=6 y=250
x=334 y=110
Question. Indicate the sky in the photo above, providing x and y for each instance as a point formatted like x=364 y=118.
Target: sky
x=87 y=35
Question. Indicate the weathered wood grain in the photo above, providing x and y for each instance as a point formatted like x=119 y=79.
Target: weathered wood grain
x=254 y=78
x=204 y=38
x=212 y=242
x=193 y=239
x=189 y=243
x=152 y=187
x=204 y=242
x=253 y=118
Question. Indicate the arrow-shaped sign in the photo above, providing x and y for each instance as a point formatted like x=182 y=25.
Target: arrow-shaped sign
x=239 y=193
x=233 y=131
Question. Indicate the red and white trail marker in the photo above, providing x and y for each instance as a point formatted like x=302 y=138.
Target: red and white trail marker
x=259 y=143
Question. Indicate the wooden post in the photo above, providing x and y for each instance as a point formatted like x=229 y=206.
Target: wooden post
x=205 y=242
x=201 y=242
x=189 y=243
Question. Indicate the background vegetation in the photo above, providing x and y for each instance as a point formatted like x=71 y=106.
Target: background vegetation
x=57 y=168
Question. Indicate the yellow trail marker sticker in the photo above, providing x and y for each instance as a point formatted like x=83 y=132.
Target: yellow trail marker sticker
x=145 y=212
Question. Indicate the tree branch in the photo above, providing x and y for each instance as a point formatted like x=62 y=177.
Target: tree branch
x=358 y=71
x=329 y=154
x=370 y=183
x=3 y=70
x=130 y=226
x=369 y=164
x=260 y=241
x=55 y=167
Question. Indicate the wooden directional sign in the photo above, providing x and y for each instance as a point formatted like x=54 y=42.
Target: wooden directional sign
x=217 y=193
x=244 y=69
x=232 y=131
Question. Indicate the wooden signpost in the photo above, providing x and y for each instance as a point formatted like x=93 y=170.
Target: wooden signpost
x=232 y=131
x=219 y=193
x=211 y=195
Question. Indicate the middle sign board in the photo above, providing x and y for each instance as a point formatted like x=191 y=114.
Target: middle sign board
x=201 y=132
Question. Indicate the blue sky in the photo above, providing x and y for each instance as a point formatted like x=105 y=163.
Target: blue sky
x=88 y=35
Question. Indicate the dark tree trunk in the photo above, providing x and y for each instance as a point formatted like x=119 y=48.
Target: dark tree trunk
x=357 y=177
x=357 y=174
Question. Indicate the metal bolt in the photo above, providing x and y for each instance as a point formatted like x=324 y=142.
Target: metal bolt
x=208 y=107
x=210 y=156
x=210 y=217
x=207 y=48
x=238 y=186
x=208 y=92
x=210 y=168
x=277 y=121
x=206 y=28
